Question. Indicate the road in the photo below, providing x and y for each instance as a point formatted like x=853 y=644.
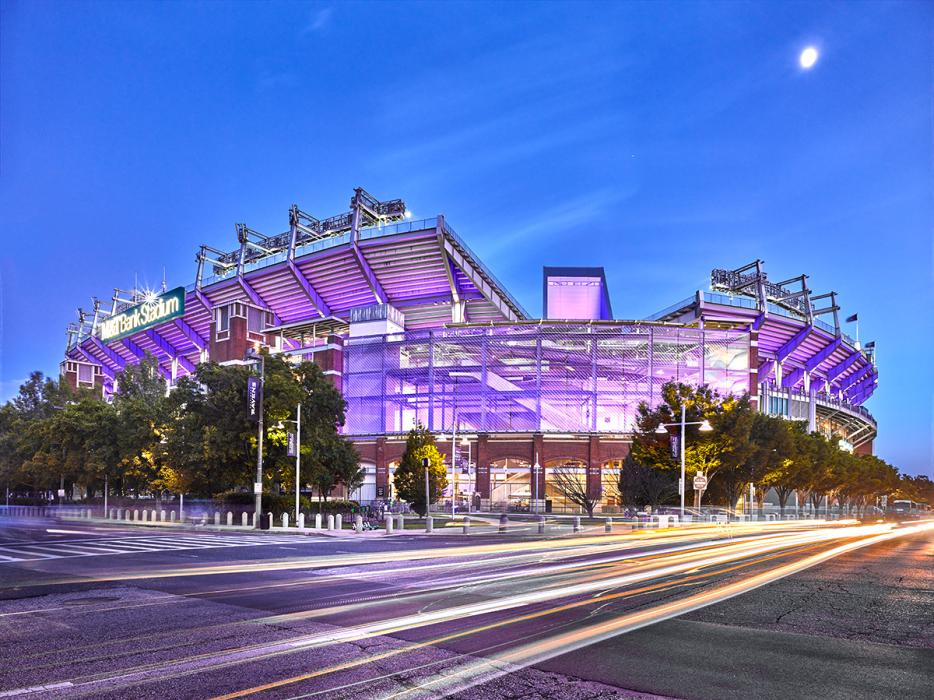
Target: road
x=714 y=612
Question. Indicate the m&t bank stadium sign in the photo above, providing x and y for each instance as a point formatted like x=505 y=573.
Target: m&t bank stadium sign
x=146 y=315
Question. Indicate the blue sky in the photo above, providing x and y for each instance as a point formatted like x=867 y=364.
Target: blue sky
x=658 y=140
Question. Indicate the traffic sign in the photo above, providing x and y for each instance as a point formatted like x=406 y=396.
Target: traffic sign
x=700 y=482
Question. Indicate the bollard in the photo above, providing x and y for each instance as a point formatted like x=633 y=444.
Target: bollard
x=317 y=521
x=269 y=521
x=135 y=515
x=171 y=516
x=245 y=519
x=204 y=518
x=388 y=524
x=217 y=517
x=429 y=524
x=145 y=514
x=358 y=523
x=154 y=514
x=285 y=520
x=88 y=514
x=400 y=522
x=253 y=522
x=541 y=524
x=162 y=515
x=503 y=522
x=301 y=521
x=330 y=521
x=113 y=514
x=338 y=522
x=608 y=526
x=466 y=525
x=229 y=519
x=577 y=523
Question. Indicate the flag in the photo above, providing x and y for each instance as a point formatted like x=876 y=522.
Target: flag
x=850 y=319
x=870 y=345
x=254 y=398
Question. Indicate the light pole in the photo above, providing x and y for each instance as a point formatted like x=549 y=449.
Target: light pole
x=254 y=354
x=535 y=469
x=425 y=463
x=466 y=443
x=298 y=454
x=662 y=429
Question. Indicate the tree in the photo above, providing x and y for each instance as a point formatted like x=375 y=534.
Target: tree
x=409 y=476
x=571 y=484
x=641 y=485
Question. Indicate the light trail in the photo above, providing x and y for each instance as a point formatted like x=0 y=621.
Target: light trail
x=683 y=560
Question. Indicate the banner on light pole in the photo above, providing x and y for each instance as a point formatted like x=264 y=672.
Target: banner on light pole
x=254 y=398
x=292 y=451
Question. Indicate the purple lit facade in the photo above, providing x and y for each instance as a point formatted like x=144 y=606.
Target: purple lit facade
x=414 y=328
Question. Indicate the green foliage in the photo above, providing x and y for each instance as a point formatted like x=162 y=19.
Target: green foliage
x=410 y=474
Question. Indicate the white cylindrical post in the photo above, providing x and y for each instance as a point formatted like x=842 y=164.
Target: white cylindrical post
x=503 y=522
x=172 y=516
x=317 y=521
x=608 y=526
x=245 y=519
x=358 y=523
x=285 y=520
x=338 y=522
x=162 y=515
x=388 y=524
x=136 y=515
x=400 y=522
x=330 y=522
x=577 y=523
x=466 y=525
x=301 y=521
x=229 y=519
x=429 y=524
x=541 y=524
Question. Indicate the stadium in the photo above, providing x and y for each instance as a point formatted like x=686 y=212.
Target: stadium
x=414 y=328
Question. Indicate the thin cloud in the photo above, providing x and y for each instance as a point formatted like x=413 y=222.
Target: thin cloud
x=320 y=20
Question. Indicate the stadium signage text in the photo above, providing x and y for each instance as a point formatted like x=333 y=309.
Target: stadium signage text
x=137 y=318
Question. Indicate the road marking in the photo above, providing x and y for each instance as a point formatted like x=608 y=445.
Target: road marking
x=62 y=549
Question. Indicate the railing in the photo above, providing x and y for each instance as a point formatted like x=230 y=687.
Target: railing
x=485 y=270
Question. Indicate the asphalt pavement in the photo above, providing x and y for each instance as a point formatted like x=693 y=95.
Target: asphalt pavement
x=89 y=610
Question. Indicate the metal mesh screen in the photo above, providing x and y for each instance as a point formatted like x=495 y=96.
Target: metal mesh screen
x=526 y=378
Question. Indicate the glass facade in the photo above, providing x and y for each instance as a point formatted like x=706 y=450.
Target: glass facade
x=549 y=378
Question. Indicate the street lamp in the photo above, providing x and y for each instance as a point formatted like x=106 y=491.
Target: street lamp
x=298 y=454
x=254 y=354
x=662 y=429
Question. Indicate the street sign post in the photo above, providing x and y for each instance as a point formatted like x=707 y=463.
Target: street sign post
x=700 y=482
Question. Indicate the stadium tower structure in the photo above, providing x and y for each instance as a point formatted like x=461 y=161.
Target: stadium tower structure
x=414 y=329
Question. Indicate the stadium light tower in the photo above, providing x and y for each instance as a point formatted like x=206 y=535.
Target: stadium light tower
x=662 y=429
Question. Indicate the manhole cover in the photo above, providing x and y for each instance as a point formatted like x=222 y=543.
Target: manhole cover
x=90 y=601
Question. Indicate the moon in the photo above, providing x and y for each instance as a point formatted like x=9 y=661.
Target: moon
x=808 y=58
